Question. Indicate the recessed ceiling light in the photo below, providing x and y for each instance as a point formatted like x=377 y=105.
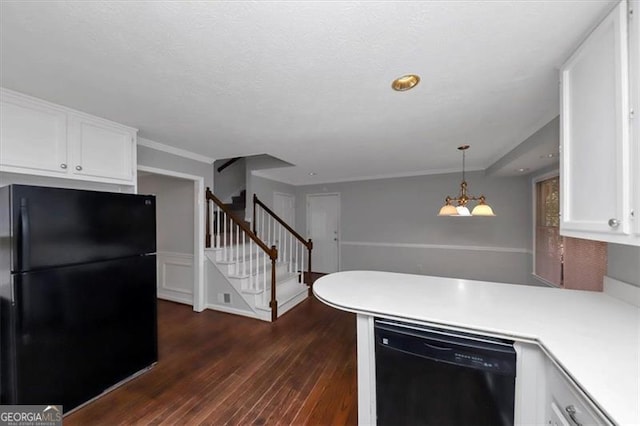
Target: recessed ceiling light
x=312 y=173
x=406 y=82
x=522 y=169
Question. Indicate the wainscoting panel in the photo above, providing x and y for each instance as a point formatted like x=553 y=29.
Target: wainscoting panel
x=175 y=277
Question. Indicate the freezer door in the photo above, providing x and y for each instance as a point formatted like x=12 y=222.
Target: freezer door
x=55 y=227
x=82 y=329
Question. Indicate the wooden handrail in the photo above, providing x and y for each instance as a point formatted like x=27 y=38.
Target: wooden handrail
x=308 y=244
x=228 y=163
x=271 y=251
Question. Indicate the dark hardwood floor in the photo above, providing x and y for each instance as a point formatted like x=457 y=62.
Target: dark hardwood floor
x=218 y=369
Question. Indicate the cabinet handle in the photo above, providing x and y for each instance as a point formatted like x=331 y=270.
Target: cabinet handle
x=614 y=223
x=78 y=168
x=63 y=166
x=571 y=410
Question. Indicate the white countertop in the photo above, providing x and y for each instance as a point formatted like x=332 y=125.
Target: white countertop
x=593 y=336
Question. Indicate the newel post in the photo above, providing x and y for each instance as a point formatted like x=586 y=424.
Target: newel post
x=207 y=239
x=309 y=278
x=273 y=304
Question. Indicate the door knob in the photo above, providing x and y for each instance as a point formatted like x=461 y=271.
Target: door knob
x=614 y=223
x=63 y=166
x=78 y=168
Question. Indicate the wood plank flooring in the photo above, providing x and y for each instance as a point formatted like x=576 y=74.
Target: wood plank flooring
x=220 y=369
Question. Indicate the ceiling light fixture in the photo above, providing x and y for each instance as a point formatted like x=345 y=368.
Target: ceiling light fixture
x=312 y=173
x=406 y=82
x=461 y=209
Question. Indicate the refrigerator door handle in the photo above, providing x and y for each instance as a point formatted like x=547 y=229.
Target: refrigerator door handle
x=24 y=237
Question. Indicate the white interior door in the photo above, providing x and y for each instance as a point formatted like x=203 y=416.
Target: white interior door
x=323 y=225
x=284 y=205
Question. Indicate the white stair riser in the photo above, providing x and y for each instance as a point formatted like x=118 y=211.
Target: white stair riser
x=233 y=254
x=244 y=283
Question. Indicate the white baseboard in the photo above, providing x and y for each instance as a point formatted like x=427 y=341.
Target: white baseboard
x=621 y=290
x=174 y=298
x=235 y=311
x=292 y=302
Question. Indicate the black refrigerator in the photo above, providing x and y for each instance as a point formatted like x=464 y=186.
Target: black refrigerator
x=77 y=292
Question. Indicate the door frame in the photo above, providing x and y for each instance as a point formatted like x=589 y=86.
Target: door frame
x=308 y=221
x=199 y=300
x=534 y=213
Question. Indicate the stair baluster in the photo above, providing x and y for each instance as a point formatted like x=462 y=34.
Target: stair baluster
x=282 y=234
x=225 y=256
x=244 y=257
x=217 y=228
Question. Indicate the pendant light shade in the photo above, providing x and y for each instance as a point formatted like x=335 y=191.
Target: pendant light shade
x=461 y=209
x=447 y=210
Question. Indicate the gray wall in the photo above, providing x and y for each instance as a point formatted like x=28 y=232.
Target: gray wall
x=624 y=263
x=403 y=212
x=174 y=211
x=230 y=181
x=162 y=160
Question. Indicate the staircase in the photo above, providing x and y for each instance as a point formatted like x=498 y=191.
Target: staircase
x=253 y=272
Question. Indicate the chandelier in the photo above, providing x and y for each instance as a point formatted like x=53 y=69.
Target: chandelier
x=461 y=209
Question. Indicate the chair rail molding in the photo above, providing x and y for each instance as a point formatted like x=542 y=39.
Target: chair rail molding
x=437 y=246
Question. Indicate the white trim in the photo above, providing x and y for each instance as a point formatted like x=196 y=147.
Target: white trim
x=175 y=151
x=263 y=174
x=175 y=298
x=199 y=296
x=436 y=246
x=622 y=290
x=231 y=310
x=308 y=212
x=41 y=102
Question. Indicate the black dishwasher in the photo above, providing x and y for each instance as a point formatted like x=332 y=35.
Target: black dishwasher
x=427 y=376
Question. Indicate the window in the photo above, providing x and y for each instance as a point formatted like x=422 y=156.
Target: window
x=562 y=261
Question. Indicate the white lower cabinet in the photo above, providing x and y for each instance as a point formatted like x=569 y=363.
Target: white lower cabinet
x=43 y=139
x=547 y=396
x=564 y=403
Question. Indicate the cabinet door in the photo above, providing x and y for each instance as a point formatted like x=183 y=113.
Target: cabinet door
x=634 y=68
x=32 y=137
x=595 y=164
x=101 y=150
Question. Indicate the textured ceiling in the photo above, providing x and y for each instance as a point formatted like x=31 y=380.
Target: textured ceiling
x=306 y=82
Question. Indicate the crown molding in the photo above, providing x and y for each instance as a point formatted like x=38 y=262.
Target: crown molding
x=175 y=151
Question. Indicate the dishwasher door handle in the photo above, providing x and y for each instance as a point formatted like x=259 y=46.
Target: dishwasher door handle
x=438 y=348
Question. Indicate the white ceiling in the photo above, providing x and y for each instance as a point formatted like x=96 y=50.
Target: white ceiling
x=306 y=82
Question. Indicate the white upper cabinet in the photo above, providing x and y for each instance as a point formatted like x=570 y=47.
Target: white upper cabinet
x=32 y=137
x=597 y=167
x=44 y=139
x=101 y=150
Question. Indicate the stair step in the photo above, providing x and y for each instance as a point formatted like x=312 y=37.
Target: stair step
x=285 y=291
